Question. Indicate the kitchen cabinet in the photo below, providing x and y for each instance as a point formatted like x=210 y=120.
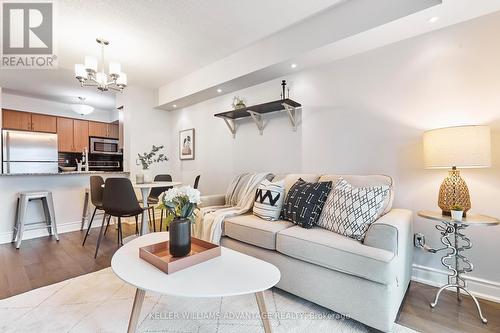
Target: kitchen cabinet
x=98 y=129
x=16 y=120
x=103 y=130
x=72 y=135
x=43 y=123
x=113 y=131
x=65 y=134
x=80 y=135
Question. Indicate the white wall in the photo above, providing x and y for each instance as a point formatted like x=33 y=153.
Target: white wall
x=366 y=115
x=143 y=126
x=31 y=104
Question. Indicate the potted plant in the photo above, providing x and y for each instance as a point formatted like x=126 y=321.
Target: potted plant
x=146 y=160
x=238 y=103
x=180 y=203
x=457 y=212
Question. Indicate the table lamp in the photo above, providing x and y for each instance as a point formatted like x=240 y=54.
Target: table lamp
x=456 y=147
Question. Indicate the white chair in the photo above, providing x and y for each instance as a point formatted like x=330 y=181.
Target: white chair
x=22 y=213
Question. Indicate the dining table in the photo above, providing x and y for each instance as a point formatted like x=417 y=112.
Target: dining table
x=145 y=189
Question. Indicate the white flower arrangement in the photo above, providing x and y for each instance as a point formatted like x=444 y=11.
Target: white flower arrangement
x=180 y=202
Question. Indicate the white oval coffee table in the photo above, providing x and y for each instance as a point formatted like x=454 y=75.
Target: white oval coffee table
x=231 y=274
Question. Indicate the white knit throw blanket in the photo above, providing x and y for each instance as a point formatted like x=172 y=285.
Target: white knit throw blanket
x=209 y=220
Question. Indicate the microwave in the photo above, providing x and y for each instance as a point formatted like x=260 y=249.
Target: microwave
x=104 y=146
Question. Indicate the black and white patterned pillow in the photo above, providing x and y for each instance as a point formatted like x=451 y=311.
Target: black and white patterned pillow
x=269 y=199
x=350 y=211
x=304 y=202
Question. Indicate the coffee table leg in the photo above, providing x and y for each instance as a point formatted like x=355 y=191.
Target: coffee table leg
x=264 y=315
x=136 y=310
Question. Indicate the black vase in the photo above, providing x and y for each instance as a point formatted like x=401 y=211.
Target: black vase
x=180 y=237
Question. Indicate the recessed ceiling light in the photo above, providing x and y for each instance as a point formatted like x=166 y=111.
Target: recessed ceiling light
x=293 y=65
x=433 y=19
x=219 y=90
x=174 y=106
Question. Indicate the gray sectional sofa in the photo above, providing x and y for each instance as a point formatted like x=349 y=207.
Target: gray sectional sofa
x=364 y=281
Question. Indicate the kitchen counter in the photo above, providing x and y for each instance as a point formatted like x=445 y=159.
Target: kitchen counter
x=65 y=173
x=68 y=191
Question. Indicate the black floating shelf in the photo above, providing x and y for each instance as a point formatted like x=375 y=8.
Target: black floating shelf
x=256 y=112
x=259 y=108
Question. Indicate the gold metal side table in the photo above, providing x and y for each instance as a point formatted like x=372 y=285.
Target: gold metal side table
x=457 y=242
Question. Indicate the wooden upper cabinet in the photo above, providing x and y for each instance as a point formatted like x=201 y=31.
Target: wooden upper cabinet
x=98 y=129
x=16 y=120
x=80 y=135
x=65 y=134
x=113 y=131
x=43 y=123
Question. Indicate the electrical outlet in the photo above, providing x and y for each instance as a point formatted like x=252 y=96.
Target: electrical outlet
x=419 y=240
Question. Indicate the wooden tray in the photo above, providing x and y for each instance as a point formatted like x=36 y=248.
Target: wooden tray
x=159 y=256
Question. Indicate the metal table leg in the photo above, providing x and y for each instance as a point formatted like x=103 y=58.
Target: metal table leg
x=461 y=265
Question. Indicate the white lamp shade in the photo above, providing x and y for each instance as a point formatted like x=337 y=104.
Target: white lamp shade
x=461 y=146
x=82 y=109
x=115 y=68
x=122 y=79
x=91 y=63
x=80 y=71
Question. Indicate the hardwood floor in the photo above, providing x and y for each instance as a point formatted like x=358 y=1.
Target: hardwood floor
x=44 y=261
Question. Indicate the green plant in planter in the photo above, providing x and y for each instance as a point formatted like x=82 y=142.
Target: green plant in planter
x=147 y=159
x=457 y=208
x=238 y=103
x=180 y=203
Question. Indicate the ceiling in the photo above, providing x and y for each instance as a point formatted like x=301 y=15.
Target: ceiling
x=57 y=85
x=156 y=41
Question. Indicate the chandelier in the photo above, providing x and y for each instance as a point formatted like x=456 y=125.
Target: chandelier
x=88 y=76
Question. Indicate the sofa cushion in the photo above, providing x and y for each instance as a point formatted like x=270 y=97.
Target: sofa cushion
x=367 y=181
x=350 y=211
x=269 y=199
x=291 y=179
x=304 y=202
x=254 y=230
x=328 y=249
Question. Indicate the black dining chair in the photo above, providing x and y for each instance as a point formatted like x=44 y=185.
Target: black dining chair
x=119 y=200
x=153 y=198
x=96 y=191
x=196 y=181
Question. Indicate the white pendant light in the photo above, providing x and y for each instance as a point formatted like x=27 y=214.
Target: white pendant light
x=82 y=109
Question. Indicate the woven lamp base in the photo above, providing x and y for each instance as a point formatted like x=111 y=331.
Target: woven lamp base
x=453 y=191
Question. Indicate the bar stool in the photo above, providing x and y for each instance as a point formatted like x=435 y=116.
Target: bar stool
x=23 y=199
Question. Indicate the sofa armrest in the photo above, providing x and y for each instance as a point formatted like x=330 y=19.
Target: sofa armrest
x=391 y=232
x=212 y=200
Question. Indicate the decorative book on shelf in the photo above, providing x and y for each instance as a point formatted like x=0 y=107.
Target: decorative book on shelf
x=256 y=113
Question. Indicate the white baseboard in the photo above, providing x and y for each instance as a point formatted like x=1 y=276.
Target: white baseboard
x=481 y=288
x=6 y=237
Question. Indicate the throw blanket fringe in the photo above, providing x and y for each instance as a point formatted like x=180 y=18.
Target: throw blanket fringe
x=239 y=200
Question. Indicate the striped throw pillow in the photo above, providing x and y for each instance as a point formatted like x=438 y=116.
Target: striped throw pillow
x=269 y=200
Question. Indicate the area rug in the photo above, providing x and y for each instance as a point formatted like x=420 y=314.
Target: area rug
x=101 y=302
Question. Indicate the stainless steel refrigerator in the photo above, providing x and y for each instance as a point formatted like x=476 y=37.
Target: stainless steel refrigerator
x=29 y=152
